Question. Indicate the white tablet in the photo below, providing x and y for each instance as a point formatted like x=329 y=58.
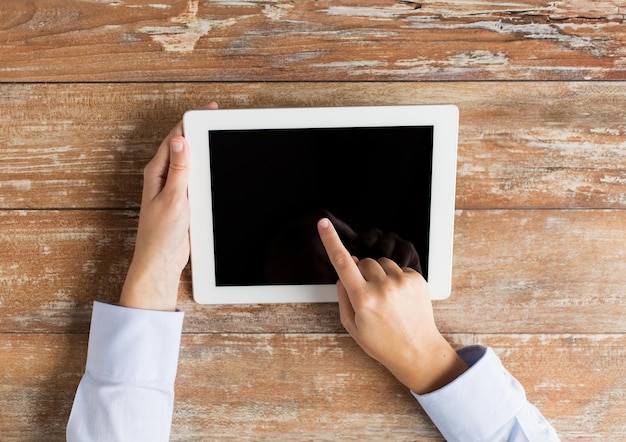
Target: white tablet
x=261 y=178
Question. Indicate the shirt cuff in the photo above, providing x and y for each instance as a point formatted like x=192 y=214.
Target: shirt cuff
x=133 y=345
x=479 y=402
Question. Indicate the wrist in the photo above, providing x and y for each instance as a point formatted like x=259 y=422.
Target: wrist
x=149 y=288
x=437 y=365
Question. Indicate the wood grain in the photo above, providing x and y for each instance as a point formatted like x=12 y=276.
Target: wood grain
x=39 y=374
x=327 y=40
x=317 y=387
x=543 y=271
x=88 y=88
x=578 y=382
x=59 y=261
x=521 y=144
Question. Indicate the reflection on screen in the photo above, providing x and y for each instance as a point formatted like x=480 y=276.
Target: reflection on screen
x=269 y=188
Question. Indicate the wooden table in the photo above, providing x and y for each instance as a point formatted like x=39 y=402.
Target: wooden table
x=89 y=88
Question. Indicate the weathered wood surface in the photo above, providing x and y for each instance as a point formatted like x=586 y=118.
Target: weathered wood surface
x=314 y=386
x=255 y=40
x=89 y=87
x=526 y=261
x=522 y=144
x=515 y=271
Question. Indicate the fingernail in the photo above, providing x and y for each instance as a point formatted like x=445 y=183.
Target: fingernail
x=324 y=223
x=176 y=145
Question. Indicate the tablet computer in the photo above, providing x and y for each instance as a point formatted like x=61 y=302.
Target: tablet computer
x=261 y=178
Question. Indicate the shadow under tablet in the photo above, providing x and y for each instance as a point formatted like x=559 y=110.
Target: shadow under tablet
x=270 y=187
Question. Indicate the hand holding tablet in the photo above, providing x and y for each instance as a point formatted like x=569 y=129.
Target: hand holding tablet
x=162 y=243
x=261 y=177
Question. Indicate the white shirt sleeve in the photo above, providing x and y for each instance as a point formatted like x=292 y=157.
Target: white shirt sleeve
x=127 y=391
x=485 y=403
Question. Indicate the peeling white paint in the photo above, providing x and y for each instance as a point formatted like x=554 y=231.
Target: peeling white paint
x=536 y=31
x=17 y=184
x=371 y=12
x=469 y=169
x=129 y=38
x=454 y=64
x=413 y=62
x=474 y=58
x=153 y=5
x=613 y=180
x=183 y=36
x=49 y=150
x=60 y=304
x=356 y=35
x=241 y=2
x=350 y=64
x=300 y=57
x=276 y=12
x=324 y=349
x=502 y=8
x=89 y=268
x=605 y=131
x=566 y=146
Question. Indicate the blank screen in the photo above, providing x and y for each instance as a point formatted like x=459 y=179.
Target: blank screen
x=269 y=188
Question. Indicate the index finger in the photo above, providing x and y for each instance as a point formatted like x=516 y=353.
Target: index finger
x=340 y=258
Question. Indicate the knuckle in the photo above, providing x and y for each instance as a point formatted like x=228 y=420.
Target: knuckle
x=341 y=259
x=385 y=261
x=368 y=304
x=177 y=167
x=366 y=262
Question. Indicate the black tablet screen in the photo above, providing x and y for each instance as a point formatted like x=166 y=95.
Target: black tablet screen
x=269 y=188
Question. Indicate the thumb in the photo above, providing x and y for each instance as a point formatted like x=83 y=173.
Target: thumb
x=178 y=171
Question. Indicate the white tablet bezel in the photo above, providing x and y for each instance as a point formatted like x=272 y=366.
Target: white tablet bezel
x=197 y=125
